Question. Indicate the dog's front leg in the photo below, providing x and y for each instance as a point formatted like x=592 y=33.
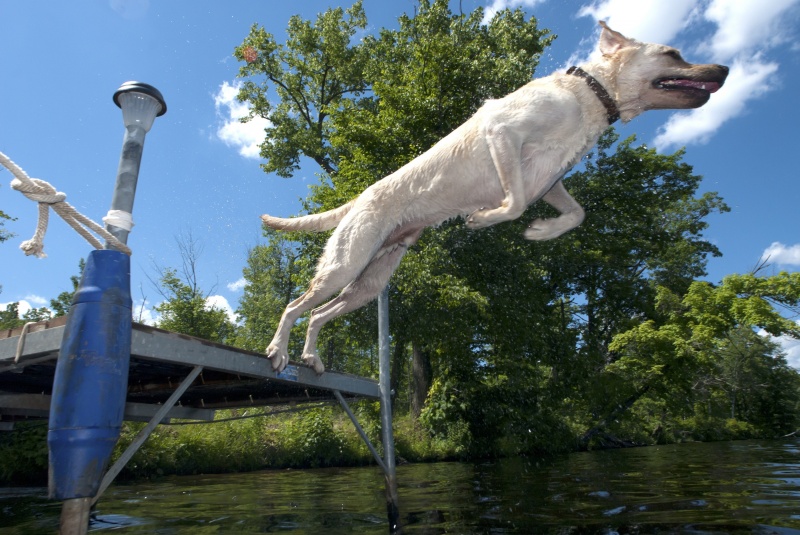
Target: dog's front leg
x=571 y=215
x=506 y=157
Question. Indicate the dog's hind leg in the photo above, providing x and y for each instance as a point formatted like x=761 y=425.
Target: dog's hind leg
x=351 y=248
x=571 y=215
x=318 y=291
x=356 y=294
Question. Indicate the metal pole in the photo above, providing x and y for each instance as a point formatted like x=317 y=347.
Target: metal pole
x=360 y=429
x=75 y=516
x=392 y=507
x=137 y=101
x=127 y=178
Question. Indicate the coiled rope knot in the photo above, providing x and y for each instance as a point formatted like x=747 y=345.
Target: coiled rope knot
x=48 y=197
x=38 y=190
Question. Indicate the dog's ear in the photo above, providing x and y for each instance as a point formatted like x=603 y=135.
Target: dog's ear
x=611 y=41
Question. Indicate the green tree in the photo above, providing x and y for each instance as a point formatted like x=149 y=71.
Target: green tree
x=706 y=339
x=753 y=383
x=61 y=304
x=10 y=318
x=273 y=275
x=185 y=308
x=313 y=74
x=5 y=235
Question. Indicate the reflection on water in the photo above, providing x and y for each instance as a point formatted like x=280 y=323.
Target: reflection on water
x=733 y=487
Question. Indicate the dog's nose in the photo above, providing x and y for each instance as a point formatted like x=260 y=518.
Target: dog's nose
x=724 y=68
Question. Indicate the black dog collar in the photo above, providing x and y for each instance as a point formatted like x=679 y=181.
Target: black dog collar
x=612 y=112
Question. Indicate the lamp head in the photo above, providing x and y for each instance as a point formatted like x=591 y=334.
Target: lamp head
x=140 y=103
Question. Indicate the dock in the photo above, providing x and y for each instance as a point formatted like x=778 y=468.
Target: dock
x=160 y=361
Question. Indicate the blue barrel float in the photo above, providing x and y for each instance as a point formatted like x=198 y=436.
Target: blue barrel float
x=91 y=378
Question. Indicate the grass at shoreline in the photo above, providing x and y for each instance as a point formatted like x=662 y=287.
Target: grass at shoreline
x=237 y=441
x=246 y=440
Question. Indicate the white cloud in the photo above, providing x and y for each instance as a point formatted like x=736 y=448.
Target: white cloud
x=498 y=5
x=220 y=303
x=744 y=26
x=245 y=137
x=23 y=305
x=143 y=312
x=36 y=300
x=779 y=253
x=789 y=346
x=237 y=285
x=747 y=80
x=655 y=21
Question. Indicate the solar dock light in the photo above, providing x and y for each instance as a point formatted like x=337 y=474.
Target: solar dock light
x=91 y=378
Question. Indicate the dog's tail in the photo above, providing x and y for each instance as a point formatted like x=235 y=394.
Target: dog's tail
x=314 y=222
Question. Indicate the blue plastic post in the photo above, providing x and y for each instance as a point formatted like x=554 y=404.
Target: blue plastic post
x=91 y=379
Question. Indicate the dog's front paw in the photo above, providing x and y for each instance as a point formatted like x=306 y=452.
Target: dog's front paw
x=314 y=362
x=278 y=356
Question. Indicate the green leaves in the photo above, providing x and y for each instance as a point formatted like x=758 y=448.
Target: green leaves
x=186 y=310
x=708 y=337
x=310 y=76
x=274 y=276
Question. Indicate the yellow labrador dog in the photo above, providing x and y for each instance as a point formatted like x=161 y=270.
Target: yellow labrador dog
x=512 y=152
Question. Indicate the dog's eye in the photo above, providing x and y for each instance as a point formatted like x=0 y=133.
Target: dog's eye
x=674 y=54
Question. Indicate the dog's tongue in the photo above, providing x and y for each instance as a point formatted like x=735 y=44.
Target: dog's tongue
x=711 y=87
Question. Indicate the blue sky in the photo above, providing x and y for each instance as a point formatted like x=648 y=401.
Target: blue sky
x=62 y=61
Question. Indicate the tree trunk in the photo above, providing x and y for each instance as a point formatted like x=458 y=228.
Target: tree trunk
x=330 y=354
x=421 y=374
x=619 y=409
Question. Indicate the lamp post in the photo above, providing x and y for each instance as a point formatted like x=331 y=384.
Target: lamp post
x=91 y=378
x=141 y=104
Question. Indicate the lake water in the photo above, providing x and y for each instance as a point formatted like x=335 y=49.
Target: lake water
x=731 y=487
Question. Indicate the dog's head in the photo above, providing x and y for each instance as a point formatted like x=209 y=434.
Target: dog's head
x=649 y=76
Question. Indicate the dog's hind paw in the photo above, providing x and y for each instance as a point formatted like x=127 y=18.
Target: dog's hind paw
x=478 y=219
x=278 y=357
x=314 y=362
x=545 y=229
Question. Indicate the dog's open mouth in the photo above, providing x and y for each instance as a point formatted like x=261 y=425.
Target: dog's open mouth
x=683 y=84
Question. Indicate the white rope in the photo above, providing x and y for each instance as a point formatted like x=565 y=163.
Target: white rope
x=46 y=195
x=21 y=341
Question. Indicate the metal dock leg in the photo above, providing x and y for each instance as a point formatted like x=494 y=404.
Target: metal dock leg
x=384 y=367
x=145 y=432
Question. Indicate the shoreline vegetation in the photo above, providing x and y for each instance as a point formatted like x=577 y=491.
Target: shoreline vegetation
x=245 y=440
